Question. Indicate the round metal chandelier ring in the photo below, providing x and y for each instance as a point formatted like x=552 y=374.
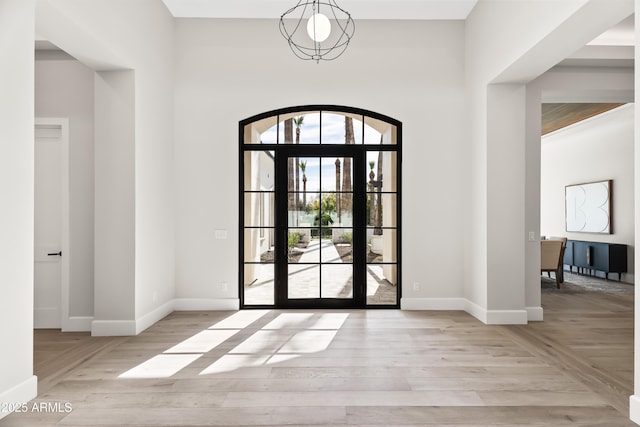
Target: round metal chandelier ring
x=310 y=37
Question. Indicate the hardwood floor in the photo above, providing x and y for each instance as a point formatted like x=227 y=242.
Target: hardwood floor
x=346 y=368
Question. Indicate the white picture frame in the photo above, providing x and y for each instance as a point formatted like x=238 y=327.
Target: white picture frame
x=588 y=207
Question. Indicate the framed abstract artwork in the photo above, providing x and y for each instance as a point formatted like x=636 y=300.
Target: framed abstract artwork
x=588 y=207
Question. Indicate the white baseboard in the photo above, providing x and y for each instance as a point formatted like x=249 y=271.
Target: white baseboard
x=475 y=310
x=152 y=317
x=496 y=317
x=46 y=318
x=77 y=324
x=49 y=318
x=201 y=304
x=21 y=393
x=535 y=314
x=117 y=328
x=131 y=327
x=113 y=328
x=506 y=317
x=432 y=303
x=634 y=408
x=490 y=317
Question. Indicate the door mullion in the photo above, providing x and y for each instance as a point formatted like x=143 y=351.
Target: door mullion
x=359 y=229
x=281 y=218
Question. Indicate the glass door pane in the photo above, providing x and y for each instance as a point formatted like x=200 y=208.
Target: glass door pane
x=319 y=227
x=303 y=281
x=337 y=281
x=259 y=228
x=382 y=226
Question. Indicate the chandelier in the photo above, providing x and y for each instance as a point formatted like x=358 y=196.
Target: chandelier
x=308 y=29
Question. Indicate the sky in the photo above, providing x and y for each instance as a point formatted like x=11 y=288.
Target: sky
x=333 y=132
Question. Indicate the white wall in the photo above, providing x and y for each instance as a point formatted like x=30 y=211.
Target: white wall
x=533 y=130
x=115 y=198
x=541 y=34
x=596 y=149
x=489 y=53
x=17 y=383
x=120 y=36
x=64 y=88
x=153 y=31
x=634 y=400
x=505 y=183
x=230 y=70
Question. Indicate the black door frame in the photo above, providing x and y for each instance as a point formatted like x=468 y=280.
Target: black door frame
x=359 y=284
x=358 y=152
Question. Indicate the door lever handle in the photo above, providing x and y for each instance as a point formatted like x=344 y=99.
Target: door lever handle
x=55 y=254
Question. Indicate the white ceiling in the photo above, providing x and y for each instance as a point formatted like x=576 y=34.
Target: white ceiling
x=359 y=9
x=613 y=48
x=622 y=34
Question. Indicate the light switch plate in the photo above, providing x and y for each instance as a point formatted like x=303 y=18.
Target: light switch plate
x=221 y=234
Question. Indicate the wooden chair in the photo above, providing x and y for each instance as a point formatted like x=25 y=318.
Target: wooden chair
x=564 y=248
x=551 y=258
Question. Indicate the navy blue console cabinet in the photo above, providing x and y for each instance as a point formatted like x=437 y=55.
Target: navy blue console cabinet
x=596 y=256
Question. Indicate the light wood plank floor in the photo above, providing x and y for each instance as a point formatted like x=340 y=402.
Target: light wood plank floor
x=346 y=368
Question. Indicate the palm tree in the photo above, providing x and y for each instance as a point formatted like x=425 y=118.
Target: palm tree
x=298 y=122
x=288 y=139
x=372 y=175
x=303 y=168
x=338 y=197
x=346 y=166
x=380 y=177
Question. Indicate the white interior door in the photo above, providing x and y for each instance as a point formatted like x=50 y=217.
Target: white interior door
x=48 y=227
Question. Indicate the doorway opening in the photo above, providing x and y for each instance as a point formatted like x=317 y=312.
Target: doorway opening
x=320 y=200
x=51 y=223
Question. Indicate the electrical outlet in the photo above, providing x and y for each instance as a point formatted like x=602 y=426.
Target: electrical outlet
x=224 y=287
x=416 y=286
x=532 y=236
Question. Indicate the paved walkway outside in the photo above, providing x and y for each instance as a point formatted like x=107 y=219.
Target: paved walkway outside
x=304 y=278
x=337 y=277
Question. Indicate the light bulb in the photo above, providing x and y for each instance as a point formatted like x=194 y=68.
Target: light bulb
x=318 y=27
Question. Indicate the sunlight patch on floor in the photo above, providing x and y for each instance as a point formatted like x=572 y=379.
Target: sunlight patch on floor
x=288 y=336
x=181 y=355
x=202 y=342
x=240 y=320
x=161 y=366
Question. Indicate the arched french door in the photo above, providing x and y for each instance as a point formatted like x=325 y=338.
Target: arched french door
x=320 y=209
